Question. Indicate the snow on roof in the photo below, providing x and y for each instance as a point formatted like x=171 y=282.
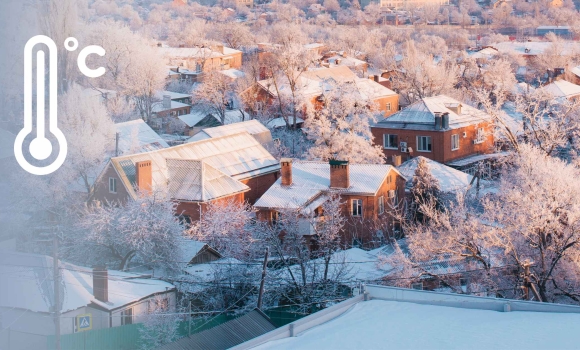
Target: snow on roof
x=233 y=73
x=194 y=117
x=195 y=52
x=562 y=88
x=172 y=95
x=253 y=127
x=280 y=122
x=338 y=73
x=196 y=181
x=313 y=46
x=403 y=324
x=487 y=53
x=421 y=115
x=136 y=136
x=532 y=48
x=476 y=158
x=238 y=156
x=450 y=180
x=348 y=61
x=190 y=248
x=158 y=106
x=576 y=71
x=26 y=282
x=311 y=179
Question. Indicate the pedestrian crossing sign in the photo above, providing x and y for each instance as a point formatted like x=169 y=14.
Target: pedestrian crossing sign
x=84 y=322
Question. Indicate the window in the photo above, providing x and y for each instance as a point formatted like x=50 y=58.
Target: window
x=381 y=204
x=454 y=142
x=424 y=143
x=418 y=285
x=390 y=141
x=127 y=317
x=198 y=68
x=357 y=207
x=388 y=106
x=112 y=185
x=480 y=136
x=274 y=217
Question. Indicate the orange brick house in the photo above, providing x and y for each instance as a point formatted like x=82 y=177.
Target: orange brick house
x=310 y=84
x=367 y=192
x=439 y=128
x=193 y=174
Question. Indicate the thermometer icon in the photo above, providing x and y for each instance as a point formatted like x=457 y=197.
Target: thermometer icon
x=41 y=148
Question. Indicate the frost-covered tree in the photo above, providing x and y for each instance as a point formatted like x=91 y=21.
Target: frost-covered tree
x=215 y=95
x=144 y=230
x=159 y=327
x=425 y=190
x=340 y=128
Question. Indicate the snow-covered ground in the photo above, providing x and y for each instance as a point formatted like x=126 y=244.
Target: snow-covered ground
x=379 y=324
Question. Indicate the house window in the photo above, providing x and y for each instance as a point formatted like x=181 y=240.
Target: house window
x=418 y=285
x=127 y=317
x=274 y=217
x=112 y=185
x=480 y=136
x=454 y=142
x=381 y=204
x=390 y=141
x=198 y=68
x=424 y=143
x=357 y=207
x=388 y=106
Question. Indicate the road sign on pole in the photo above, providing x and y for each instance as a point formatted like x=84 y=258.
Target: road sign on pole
x=84 y=322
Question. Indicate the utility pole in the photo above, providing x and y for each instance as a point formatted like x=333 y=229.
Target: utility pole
x=189 y=323
x=116 y=144
x=528 y=284
x=56 y=282
x=260 y=295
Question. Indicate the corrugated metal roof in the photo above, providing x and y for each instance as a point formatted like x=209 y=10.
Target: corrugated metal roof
x=136 y=136
x=562 y=88
x=253 y=127
x=226 y=335
x=421 y=115
x=309 y=179
x=238 y=156
x=450 y=180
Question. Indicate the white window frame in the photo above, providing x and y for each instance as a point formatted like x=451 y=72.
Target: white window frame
x=381 y=204
x=112 y=185
x=479 y=136
x=420 y=145
x=124 y=316
x=454 y=142
x=358 y=205
x=388 y=106
x=417 y=285
x=385 y=139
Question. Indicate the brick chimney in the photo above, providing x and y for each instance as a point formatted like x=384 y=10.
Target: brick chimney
x=143 y=177
x=286 y=171
x=438 y=121
x=101 y=283
x=376 y=78
x=166 y=101
x=339 y=174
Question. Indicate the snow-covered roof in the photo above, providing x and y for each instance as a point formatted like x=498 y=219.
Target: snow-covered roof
x=233 y=73
x=172 y=95
x=253 y=127
x=421 y=115
x=158 y=106
x=193 y=118
x=238 y=156
x=562 y=88
x=280 y=122
x=348 y=61
x=26 y=282
x=532 y=48
x=408 y=319
x=486 y=53
x=311 y=179
x=450 y=180
x=195 y=52
x=136 y=136
x=576 y=71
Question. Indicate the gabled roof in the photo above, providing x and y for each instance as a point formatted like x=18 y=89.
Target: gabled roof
x=253 y=127
x=576 y=71
x=172 y=95
x=226 y=335
x=310 y=180
x=534 y=47
x=136 y=136
x=238 y=156
x=195 y=52
x=450 y=180
x=158 y=106
x=421 y=115
x=562 y=88
x=26 y=282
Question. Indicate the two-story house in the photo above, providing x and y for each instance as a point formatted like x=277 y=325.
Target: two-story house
x=439 y=128
x=368 y=192
x=231 y=167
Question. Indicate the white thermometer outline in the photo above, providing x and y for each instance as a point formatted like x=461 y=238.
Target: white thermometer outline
x=40 y=147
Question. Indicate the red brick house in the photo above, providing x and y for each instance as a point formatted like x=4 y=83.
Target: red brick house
x=193 y=174
x=439 y=128
x=367 y=191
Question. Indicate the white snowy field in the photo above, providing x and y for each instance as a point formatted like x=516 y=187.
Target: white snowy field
x=380 y=324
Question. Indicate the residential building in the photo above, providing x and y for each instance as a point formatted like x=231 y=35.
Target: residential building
x=368 y=191
x=450 y=180
x=562 y=89
x=192 y=62
x=136 y=136
x=334 y=58
x=232 y=167
x=169 y=107
x=575 y=75
x=97 y=297
x=311 y=85
x=379 y=316
x=439 y=128
x=253 y=127
x=407 y=4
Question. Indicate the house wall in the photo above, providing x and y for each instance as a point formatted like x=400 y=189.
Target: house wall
x=101 y=188
x=259 y=185
x=195 y=210
x=141 y=308
x=383 y=101
x=440 y=140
